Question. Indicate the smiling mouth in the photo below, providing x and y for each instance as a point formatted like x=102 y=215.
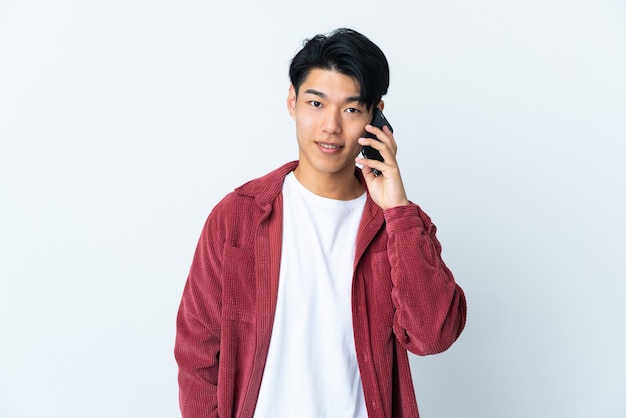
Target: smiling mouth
x=328 y=146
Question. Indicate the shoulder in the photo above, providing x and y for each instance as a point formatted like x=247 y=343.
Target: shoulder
x=236 y=218
x=265 y=189
x=254 y=196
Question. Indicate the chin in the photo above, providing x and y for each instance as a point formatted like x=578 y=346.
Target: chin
x=333 y=168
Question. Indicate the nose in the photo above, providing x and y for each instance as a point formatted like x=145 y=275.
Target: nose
x=332 y=123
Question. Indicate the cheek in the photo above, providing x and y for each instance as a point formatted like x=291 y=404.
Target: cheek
x=357 y=125
x=357 y=131
x=304 y=126
x=304 y=120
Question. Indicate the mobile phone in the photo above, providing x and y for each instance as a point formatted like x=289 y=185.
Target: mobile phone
x=379 y=120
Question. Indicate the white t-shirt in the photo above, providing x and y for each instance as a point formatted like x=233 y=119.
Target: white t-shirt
x=311 y=368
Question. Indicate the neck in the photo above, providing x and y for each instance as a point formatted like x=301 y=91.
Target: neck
x=338 y=186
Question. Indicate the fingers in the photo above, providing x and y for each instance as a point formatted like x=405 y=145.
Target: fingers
x=370 y=168
x=368 y=173
x=383 y=178
x=386 y=145
x=385 y=137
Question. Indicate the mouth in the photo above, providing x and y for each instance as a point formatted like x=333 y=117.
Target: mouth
x=328 y=146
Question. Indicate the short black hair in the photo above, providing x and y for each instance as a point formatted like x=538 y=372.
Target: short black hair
x=347 y=52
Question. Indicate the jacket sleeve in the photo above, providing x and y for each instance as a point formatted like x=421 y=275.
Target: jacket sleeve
x=197 y=346
x=430 y=306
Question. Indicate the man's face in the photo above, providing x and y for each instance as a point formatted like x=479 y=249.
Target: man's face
x=329 y=121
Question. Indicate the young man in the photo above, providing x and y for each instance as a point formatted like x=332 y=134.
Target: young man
x=310 y=284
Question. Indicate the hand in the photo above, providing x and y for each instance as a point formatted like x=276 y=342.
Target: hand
x=386 y=188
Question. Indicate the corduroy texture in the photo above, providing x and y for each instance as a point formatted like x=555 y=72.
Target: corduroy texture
x=403 y=298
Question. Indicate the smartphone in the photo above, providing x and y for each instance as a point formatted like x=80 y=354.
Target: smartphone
x=379 y=120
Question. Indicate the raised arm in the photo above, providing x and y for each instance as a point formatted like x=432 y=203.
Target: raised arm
x=430 y=306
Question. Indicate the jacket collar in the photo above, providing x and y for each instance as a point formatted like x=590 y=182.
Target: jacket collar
x=266 y=189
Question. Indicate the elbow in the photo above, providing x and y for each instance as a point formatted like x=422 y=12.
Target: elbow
x=433 y=336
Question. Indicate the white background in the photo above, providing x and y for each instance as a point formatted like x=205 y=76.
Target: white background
x=123 y=122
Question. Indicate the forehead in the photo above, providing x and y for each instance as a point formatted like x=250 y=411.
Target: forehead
x=331 y=83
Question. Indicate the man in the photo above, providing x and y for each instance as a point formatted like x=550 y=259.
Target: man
x=310 y=284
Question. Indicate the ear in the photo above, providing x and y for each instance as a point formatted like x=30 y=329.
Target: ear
x=291 y=101
x=381 y=105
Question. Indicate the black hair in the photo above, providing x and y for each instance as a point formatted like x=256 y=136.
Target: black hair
x=347 y=52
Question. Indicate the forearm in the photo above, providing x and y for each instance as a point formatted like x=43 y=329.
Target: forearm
x=196 y=353
x=430 y=306
x=197 y=343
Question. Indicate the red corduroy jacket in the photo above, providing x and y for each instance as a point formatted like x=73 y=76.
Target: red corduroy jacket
x=403 y=298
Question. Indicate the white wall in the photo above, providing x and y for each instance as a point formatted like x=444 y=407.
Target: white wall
x=123 y=122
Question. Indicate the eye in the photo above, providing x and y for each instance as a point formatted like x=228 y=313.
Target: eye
x=352 y=110
x=315 y=103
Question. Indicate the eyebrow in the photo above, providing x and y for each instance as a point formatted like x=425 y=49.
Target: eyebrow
x=324 y=96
